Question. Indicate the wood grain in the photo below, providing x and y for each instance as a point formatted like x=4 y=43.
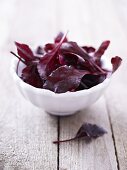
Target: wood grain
x=26 y=132
x=98 y=154
x=118 y=117
x=116 y=94
x=96 y=22
x=116 y=105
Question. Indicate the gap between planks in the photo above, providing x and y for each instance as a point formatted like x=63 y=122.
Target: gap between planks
x=113 y=136
x=81 y=160
x=58 y=138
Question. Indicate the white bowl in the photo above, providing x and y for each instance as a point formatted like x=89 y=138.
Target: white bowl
x=58 y=104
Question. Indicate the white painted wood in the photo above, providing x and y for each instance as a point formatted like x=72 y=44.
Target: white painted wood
x=116 y=94
x=26 y=133
x=115 y=97
x=117 y=109
x=99 y=154
x=92 y=22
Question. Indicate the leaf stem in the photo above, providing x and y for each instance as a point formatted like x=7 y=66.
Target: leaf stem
x=61 y=141
x=17 y=57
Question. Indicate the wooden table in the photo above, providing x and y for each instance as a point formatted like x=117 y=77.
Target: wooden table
x=26 y=132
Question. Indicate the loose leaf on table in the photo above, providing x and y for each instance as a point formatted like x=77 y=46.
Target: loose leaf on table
x=90 y=130
x=64 y=79
x=86 y=131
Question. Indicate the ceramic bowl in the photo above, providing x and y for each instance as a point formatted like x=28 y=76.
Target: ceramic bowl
x=58 y=104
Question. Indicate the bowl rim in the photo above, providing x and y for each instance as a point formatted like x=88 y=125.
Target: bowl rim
x=47 y=92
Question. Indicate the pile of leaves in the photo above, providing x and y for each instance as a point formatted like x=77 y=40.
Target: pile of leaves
x=64 y=65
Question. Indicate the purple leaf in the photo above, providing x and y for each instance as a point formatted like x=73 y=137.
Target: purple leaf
x=49 y=47
x=86 y=131
x=30 y=75
x=59 y=37
x=89 y=49
x=24 y=52
x=90 y=130
x=47 y=65
x=101 y=51
x=82 y=71
x=64 y=79
x=91 y=80
x=48 y=62
x=70 y=59
x=73 y=47
x=39 y=50
x=74 y=60
x=116 y=61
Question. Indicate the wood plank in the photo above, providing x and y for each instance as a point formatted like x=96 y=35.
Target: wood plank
x=117 y=110
x=96 y=22
x=26 y=132
x=99 y=154
x=117 y=105
x=35 y=22
x=90 y=22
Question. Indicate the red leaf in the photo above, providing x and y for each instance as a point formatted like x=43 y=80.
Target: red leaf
x=90 y=130
x=40 y=50
x=48 y=62
x=73 y=47
x=89 y=49
x=69 y=59
x=72 y=59
x=64 y=79
x=98 y=54
x=59 y=37
x=49 y=47
x=91 y=80
x=116 y=61
x=86 y=131
x=82 y=70
x=24 y=52
x=30 y=75
x=101 y=49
